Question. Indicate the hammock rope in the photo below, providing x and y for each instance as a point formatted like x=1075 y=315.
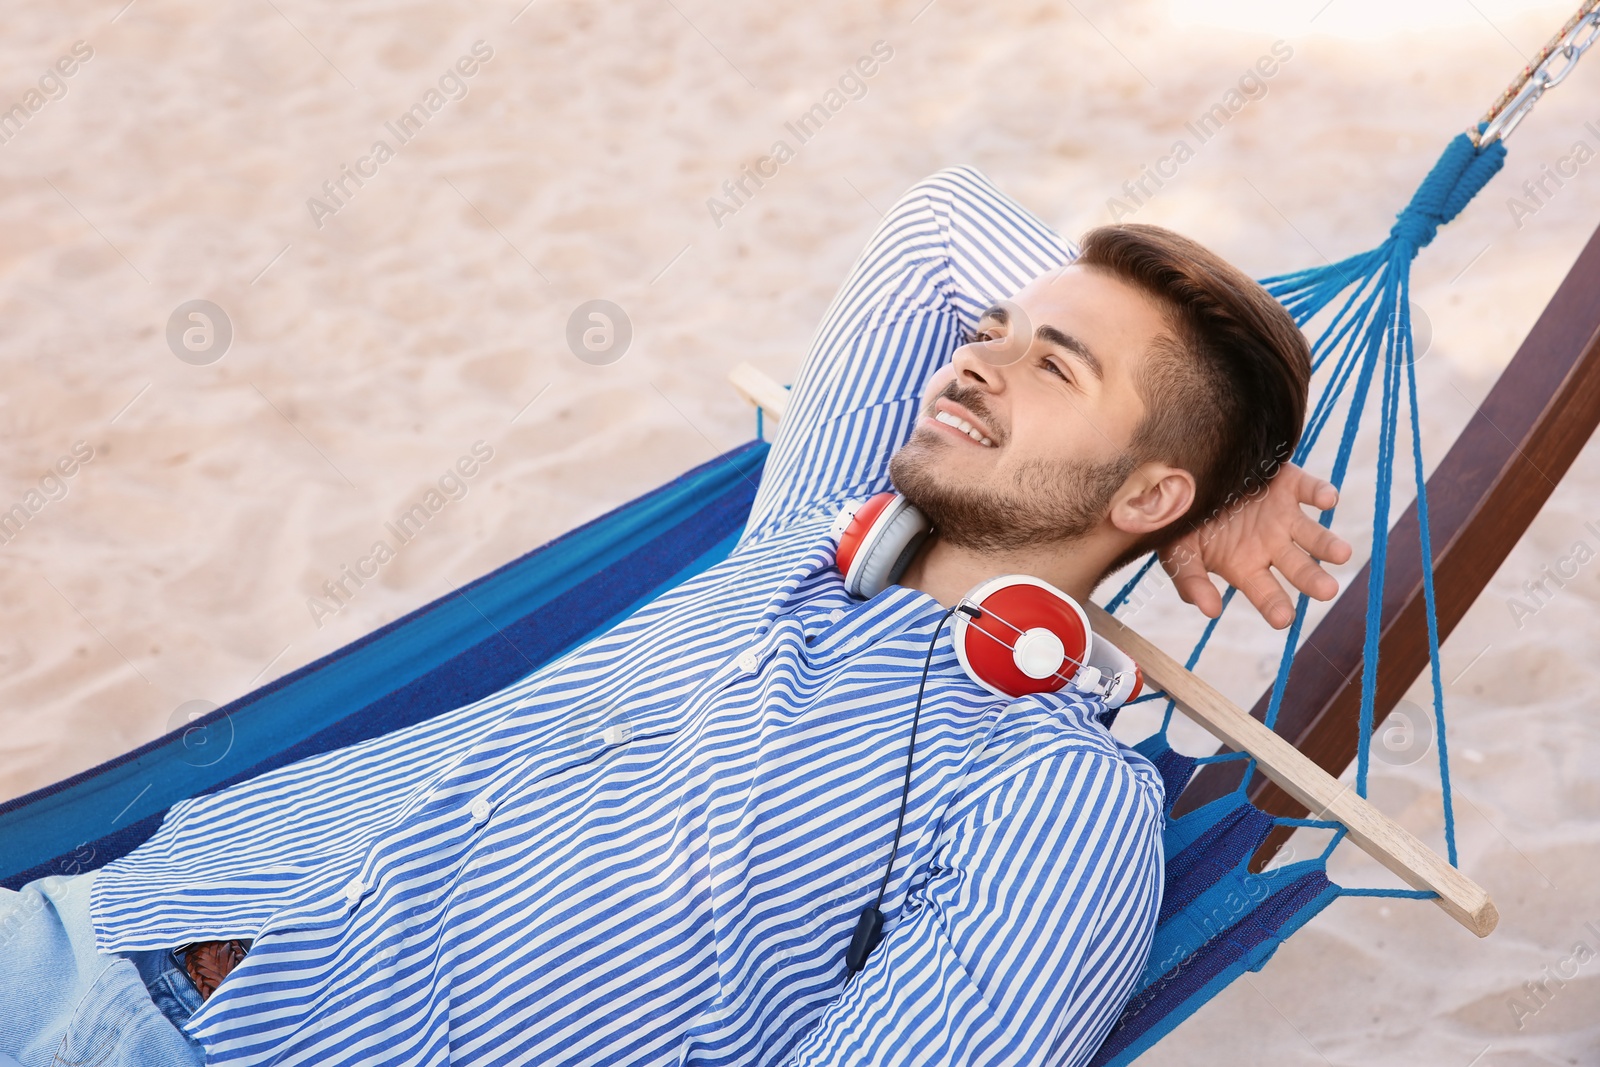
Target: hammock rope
x=1371 y=327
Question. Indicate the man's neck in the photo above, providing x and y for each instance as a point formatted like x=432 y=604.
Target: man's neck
x=947 y=572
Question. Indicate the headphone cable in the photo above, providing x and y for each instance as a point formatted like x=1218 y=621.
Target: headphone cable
x=869 y=927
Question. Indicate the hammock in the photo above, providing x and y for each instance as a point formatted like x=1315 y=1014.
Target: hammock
x=1218 y=917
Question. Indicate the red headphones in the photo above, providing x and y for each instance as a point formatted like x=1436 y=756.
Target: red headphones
x=1025 y=636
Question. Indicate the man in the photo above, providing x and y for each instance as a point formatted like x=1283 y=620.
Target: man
x=654 y=850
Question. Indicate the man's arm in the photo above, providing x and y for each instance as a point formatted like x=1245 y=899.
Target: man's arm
x=951 y=245
x=1026 y=940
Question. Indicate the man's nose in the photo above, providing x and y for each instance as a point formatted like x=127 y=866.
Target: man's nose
x=984 y=365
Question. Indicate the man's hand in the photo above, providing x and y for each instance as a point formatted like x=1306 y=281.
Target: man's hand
x=1245 y=539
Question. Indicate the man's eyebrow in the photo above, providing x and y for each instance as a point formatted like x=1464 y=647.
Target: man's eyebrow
x=1054 y=336
x=1073 y=345
x=997 y=313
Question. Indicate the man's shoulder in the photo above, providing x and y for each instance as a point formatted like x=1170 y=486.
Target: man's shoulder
x=805 y=522
x=792 y=534
x=1059 y=734
x=1128 y=771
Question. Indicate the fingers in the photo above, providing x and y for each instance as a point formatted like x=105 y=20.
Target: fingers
x=1323 y=496
x=1268 y=598
x=1187 y=570
x=1197 y=589
x=1320 y=542
x=1313 y=490
x=1305 y=574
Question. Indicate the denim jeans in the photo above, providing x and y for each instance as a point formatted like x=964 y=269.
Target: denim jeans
x=63 y=1002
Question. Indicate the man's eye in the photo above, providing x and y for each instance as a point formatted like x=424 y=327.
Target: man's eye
x=982 y=335
x=1050 y=363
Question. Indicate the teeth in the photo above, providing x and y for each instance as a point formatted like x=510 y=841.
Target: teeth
x=964 y=426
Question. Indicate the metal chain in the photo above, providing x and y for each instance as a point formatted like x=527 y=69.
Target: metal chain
x=1565 y=48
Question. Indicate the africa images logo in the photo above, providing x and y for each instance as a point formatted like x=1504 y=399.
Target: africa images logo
x=852 y=85
x=338 y=191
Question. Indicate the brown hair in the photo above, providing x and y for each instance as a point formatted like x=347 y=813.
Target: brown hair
x=1225 y=392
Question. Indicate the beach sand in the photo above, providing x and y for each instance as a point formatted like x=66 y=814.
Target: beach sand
x=377 y=339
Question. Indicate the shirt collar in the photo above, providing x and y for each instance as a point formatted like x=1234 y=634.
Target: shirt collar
x=817 y=554
x=815 y=574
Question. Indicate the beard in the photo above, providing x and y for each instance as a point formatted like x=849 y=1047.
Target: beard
x=1046 y=502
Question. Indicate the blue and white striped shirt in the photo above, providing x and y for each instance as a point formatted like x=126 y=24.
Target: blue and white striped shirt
x=653 y=851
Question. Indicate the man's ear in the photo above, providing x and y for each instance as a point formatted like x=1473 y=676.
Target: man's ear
x=1153 y=496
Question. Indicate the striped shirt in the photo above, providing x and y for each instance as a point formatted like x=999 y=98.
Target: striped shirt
x=653 y=850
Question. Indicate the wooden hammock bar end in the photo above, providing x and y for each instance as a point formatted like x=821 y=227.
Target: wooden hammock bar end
x=1323 y=795
x=760 y=390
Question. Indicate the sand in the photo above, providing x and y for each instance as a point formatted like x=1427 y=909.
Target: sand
x=378 y=337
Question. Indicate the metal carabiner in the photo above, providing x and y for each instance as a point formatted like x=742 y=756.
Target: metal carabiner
x=1569 y=47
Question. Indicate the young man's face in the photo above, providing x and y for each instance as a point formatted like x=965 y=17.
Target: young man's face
x=1048 y=384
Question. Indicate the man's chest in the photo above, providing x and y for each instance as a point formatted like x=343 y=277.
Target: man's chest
x=729 y=852
x=692 y=821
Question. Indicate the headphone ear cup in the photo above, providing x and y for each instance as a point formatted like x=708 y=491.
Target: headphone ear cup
x=1020 y=618
x=877 y=542
x=890 y=553
x=850 y=528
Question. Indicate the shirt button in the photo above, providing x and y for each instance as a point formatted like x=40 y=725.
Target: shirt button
x=616 y=733
x=480 y=811
x=749 y=661
x=836 y=614
x=353 y=891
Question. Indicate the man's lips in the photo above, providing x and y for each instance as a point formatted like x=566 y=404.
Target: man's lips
x=951 y=409
x=953 y=431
